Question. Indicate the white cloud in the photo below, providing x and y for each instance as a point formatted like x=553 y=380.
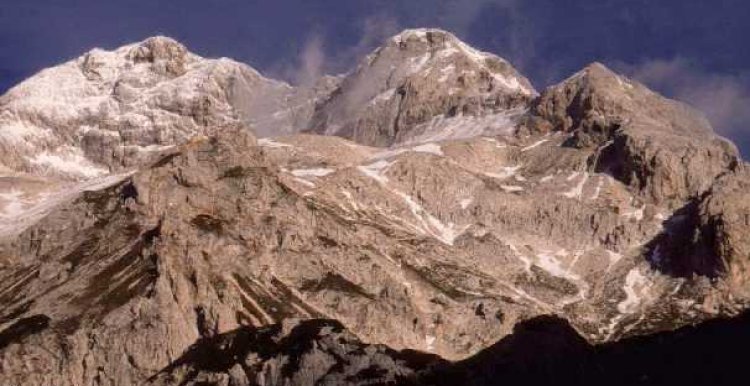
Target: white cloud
x=724 y=98
x=313 y=60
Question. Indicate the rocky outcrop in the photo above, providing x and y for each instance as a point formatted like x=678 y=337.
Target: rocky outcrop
x=415 y=86
x=661 y=148
x=312 y=352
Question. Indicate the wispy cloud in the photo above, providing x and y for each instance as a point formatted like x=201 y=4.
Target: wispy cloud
x=460 y=15
x=375 y=30
x=315 y=60
x=724 y=98
x=311 y=62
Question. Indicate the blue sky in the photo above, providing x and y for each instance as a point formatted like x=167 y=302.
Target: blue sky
x=693 y=50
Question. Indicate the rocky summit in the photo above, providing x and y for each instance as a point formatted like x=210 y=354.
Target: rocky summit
x=427 y=218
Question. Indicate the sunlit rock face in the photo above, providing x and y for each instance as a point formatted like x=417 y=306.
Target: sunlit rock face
x=172 y=219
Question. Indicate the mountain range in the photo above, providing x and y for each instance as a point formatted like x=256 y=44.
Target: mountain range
x=426 y=218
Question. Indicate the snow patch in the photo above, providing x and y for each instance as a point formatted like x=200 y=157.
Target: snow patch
x=429 y=224
x=614 y=257
x=20 y=220
x=383 y=96
x=350 y=199
x=505 y=173
x=635 y=214
x=71 y=162
x=376 y=170
x=267 y=142
x=418 y=63
x=465 y=202
x=534 y=145
x=14 y=203
x=317 y=172
x=431 y=148
x=304 y=182
x=18 y=133
x=480 y=58
x=525 y=260
x=441 y=128
x=430 y=342
x=577 y=190
x=624 y=83
x=598 y=190
x=511 y=188
x=551 y=264
x=446 y=72
x=635 y=288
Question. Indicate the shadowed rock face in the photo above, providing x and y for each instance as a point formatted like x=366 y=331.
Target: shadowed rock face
x=312 y=352
x=540 y=351
x=547 y=350
x=599 y=202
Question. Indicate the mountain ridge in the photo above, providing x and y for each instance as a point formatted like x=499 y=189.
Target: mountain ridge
x=597 y=201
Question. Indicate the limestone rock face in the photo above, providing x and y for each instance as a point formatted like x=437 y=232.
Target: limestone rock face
x=662 y=148
x=225 y=233
x=435 y=218
x=416 y=86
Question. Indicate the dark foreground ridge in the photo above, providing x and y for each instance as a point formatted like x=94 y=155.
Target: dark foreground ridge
x=544 y=350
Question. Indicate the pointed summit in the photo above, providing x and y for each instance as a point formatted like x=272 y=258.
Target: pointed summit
x=613 y=97
x=661 y=147
x=418 y=78
x=168 y=55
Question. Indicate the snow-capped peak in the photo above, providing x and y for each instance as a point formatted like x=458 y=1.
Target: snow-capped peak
x=443 y=45
x=428 y=75
x=111 y=108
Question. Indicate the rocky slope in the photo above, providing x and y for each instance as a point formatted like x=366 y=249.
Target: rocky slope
x=597 y=201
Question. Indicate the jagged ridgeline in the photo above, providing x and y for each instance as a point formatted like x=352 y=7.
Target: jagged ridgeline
x=428 y=217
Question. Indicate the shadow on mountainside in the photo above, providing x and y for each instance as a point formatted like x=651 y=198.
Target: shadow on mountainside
x=548 y=351
x=542 y=351
x=685 y=247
